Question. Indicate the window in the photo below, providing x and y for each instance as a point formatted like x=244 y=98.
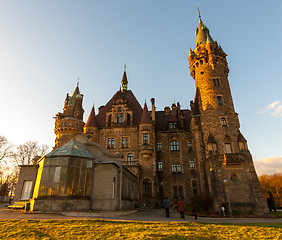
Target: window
x=160 y=166
x=111 y=143
x=117 y=118
x=26 y=191
x=145 y=138
x=130 y=159
x=121 y=118
x=124 y=142
x=147 y=187
x=194 y=187
x=219 y=100
x=192 y=165
x=119 y=109
x=190 y=146
x=174 y=146
x=172 y=125
x=173 y=168
x=159 y=146
x=223 y=121
x=228 y=148
x=215 y=81
x=178 y=191
x=178 y=167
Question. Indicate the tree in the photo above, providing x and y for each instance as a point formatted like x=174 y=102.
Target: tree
x=272 y=183
x=6 y=150
x=27 y=152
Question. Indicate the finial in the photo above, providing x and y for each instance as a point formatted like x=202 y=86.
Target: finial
x=124 y=66
x=199 y=11
x=77 y=84
x=173 y=100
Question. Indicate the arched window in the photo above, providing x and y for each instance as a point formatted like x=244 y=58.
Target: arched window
x=174 y=146
x=129 y=159
x=147 y=187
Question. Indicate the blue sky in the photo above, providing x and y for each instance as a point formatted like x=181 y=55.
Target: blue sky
x=46 y=45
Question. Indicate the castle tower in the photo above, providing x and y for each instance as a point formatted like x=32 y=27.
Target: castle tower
x=225 y=163
x=71 y=120
x=147 y=158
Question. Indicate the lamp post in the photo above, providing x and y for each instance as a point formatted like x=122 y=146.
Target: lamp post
x=228 y=199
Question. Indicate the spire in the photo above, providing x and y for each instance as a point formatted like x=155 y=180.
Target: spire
x=91 y=122
x=202 y=32
x=124 y=81
x=145 y=118
x=191 y=52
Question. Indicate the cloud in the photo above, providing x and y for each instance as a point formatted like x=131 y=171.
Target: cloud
x=268 y=165
x=277 y=106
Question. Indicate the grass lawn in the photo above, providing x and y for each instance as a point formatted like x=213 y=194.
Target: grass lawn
x=98 y=229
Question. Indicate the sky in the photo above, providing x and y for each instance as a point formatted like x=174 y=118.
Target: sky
x=45 y=46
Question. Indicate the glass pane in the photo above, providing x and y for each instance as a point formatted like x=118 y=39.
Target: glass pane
x=57 y=174
x=81 y=182
x=88 y=182
x=62 y=181
x=89 y=164
x=26 y=190
x=76 y=176
x=70 y=181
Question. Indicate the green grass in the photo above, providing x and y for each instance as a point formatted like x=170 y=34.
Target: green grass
x=98 y=229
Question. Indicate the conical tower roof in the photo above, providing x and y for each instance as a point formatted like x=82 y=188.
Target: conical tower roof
x=91 y=122
x=202 y=33
x=145 y=118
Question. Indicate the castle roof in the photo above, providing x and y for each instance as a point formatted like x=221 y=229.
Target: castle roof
x=130 y=100
x=91 y=122
x=145 y=118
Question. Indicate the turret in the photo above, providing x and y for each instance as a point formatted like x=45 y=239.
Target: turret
x=209 y=68
x=71 y=120
x=91 y=126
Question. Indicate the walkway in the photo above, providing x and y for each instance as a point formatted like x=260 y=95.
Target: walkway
x=148 y=215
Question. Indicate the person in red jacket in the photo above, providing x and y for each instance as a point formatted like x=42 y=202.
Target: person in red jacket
x=181 y=208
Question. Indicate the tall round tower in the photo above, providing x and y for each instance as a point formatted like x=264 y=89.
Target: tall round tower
x=226 y=163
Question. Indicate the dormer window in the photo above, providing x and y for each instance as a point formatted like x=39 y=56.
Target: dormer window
x=172 y=125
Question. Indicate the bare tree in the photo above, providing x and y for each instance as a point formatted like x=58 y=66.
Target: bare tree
x=6 y=150
x=27 y=152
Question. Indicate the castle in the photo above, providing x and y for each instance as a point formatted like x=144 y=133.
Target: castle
x=193 y=154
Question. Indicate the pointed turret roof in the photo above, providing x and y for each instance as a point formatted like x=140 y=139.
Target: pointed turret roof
x=202 y=33
x=91 y=122
x=145 y=118
x=124 y=81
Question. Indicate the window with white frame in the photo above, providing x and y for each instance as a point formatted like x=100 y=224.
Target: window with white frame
x=26 y=190
x=174 y=146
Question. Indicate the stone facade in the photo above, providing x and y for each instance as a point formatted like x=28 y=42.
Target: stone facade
x=198 y=154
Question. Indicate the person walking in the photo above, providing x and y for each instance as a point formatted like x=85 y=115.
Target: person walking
x=166 y=206
x=181 y=208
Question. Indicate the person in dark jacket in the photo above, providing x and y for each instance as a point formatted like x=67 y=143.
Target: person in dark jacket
x=166 y=206
x=195 y=210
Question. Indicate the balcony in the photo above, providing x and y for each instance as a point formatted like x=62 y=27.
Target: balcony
x=232 y=160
